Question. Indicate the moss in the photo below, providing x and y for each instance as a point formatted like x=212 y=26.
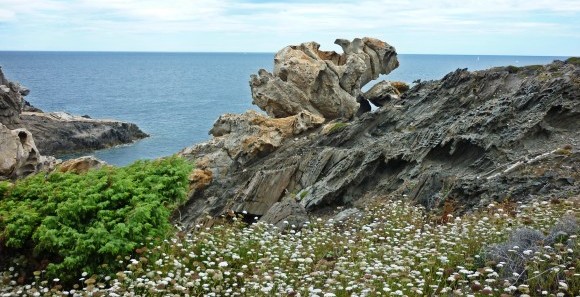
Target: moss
x=563 y=152
x=573 y=60
x=512 y=69
x=533 y=67
x=337 y=128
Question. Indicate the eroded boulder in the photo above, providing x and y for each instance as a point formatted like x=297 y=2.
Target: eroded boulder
x=286 y=214
x=323 y=83
x=19 y=156
x=81 y=164
x=381 y=93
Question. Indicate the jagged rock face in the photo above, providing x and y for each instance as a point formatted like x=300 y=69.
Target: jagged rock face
x=19 y=156
x=11 y=101
x=61 y=133
x=239 y=139
x=382 y=93
x=320 y=82
x=465 y=140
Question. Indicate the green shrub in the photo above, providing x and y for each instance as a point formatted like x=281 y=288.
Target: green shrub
x=512 y=69
x=573 y=60
x=79 y=222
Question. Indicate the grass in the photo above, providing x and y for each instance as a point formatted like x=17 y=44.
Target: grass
x=394 y=250
x=573 y=60
x=337 y=127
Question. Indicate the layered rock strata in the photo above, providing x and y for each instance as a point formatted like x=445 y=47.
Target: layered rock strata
x=58 y=133
x=463 y=141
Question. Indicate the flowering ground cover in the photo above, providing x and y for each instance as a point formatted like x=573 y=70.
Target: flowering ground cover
x=393 y=249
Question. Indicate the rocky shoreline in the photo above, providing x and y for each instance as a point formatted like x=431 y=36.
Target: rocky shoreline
x=451 y=145
x=27 y=134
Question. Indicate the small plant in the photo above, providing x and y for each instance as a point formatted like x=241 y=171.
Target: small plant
x=402 y=87
x=4 y=187
x=573 y=60
x=337 y=127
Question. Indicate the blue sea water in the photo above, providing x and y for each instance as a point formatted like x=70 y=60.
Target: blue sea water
x=176 y=97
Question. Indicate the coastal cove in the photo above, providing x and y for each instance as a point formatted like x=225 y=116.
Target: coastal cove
x=176 y=97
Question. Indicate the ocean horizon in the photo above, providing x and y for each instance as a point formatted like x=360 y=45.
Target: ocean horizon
x=177 y=96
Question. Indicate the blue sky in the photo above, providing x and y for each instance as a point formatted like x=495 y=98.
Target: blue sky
x=531 y=27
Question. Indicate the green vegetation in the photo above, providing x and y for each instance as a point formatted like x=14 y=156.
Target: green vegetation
x=337 y=127
x=394 y=249
x=512 y=69
x=533 y=67
x=83 y=222
x=573 y=60
x=515 y=69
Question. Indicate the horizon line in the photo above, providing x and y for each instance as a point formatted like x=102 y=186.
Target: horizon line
x=257 y=52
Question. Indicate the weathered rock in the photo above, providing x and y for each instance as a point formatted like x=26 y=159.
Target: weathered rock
x=246 y=136
x=19 y=156
x=239 y=140
x=286 y=214
x=465 y=140
x=81 y=165
x=320 y=82
x=60 y=133
x=343 y=216
x=381 y=93
x=11 y=101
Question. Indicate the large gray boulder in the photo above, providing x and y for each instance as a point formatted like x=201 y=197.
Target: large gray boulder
x=286 y=214
x=324 y=83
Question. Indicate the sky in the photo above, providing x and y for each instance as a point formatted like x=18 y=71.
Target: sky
x=479 y=27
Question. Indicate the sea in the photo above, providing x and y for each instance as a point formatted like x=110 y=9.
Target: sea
x=176 y=97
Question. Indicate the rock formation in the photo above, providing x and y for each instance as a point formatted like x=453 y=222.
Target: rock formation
x=11 y=102
x=463 y=141
x=19 y=155
x=81 y=164
x=323 y=83
x=58 y=132
x=26 y=131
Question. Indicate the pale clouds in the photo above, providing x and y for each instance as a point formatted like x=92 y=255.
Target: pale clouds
x=247 y=18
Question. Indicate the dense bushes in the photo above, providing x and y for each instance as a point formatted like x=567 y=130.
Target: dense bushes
x=82 y=223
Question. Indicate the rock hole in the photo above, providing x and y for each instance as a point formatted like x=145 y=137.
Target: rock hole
x=23 y=136
x=248 y=218
x=460 y=153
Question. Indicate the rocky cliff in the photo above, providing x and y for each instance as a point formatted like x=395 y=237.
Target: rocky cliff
x=27 y=132
x=506 y=133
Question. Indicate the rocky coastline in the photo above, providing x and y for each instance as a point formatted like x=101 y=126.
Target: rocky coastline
x=455 y=144
x=30 y=137
x=467 y=185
